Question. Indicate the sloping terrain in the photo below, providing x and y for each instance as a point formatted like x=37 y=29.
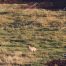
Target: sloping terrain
x=45 y=30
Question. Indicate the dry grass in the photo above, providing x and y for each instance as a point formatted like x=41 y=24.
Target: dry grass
x=14 y=41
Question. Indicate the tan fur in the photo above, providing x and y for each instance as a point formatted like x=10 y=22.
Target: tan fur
x=33 y=49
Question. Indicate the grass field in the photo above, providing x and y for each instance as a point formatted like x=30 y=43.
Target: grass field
x=43 y=29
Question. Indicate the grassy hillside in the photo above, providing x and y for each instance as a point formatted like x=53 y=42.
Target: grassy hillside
x=43 y=29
